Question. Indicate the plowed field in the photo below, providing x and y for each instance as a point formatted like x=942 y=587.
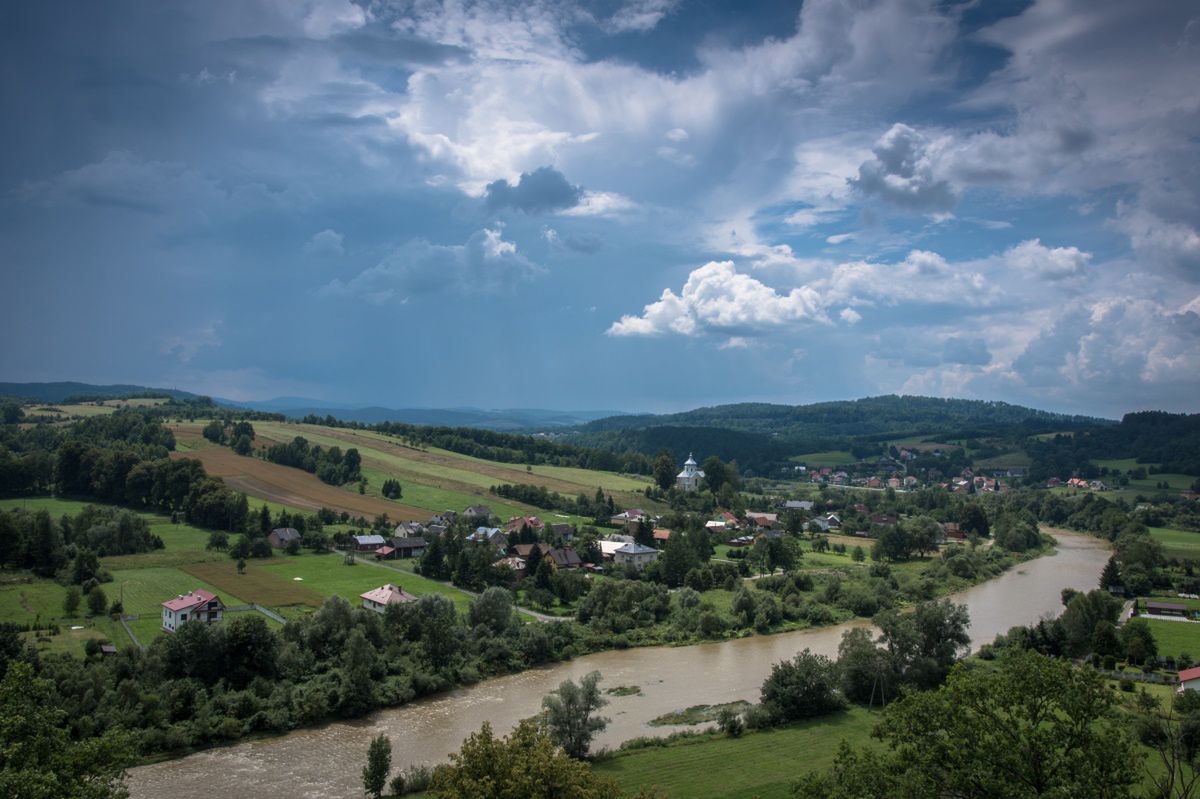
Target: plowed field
x=293 y=487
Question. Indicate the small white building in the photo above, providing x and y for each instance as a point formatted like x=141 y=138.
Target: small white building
x=691 y=476
x=636 y=555
x=377 y=599
x=198 y=605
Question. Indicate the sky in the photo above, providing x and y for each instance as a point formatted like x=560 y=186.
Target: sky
x=642 y=205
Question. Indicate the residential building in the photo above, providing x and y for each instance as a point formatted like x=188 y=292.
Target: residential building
x=378 y=599
x=280 y=537
x=636 y=555
x=407 y=547
x=478 y=511
x=198 y=605
x=1189 y=680
x=366 y=543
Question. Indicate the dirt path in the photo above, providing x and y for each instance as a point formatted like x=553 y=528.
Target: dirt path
x=294 y=487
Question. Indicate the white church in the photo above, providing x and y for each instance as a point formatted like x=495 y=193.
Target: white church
x=691 y=476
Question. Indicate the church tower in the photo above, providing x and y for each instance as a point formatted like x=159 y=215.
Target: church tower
x=689 y=479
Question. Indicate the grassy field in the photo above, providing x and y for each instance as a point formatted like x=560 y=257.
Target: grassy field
x=433 y=480
x=832 y=457
x=327 y=575
x=1177 y=543
x=1176 y=637
x=761 y=764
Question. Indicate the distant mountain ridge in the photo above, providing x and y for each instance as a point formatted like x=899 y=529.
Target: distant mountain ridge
x=508 y=419
x=885 y=415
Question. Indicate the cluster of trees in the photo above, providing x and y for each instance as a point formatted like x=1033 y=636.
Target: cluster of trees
x=1171 y=441
x=503 y=447
x=1088 y=626
x=391 y=489
x=239 y=435
x=216 y=683
x=120 y=458
x=69 y=548
x=600 y=507
x=331 y=465
x=1030 y=726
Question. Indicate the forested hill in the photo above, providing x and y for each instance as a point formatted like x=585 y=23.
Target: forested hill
x=1169 y=441
x=760 y=436
x=887 y=416
x=62 y=391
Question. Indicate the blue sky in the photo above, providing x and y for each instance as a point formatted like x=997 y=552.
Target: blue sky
x=637 y=205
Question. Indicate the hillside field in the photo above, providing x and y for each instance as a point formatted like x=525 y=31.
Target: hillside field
x=433 y=480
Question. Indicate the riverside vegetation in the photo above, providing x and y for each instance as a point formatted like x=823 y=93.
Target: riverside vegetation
x=206 y=685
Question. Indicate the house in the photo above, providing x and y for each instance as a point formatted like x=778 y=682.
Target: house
x=716 y=526
x=883 y=519
x=895 y=482
x=516 y=565
x=107 y=650
x=378 y=599
x=1189 y=680
x=818 y=524
x=385 y=552
x=691 y=476
x=759 y=519
x=443 y=519
x=480 y=511
x=742 y=541
x=367 y=543
x=797 y=504
x=911 y=482
x=564 y=531
x=833 y=520
x=280 y=537
x=489 y=535
x=731 y=521
x=524 y=550
x=661 y=536
x=517 y=522
x=952 y=530
x=410 y=530
x=610 y=545
x=636 y=555
x=564 y=558
x=407 y=547
x=1167 y=609
x=437 y=530
x=1077 y=482
x=628 y=517
x=1053 y=482
x=874 y=482
x=198 y=605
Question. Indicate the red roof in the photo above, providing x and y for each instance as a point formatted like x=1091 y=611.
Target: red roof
x=1189 y=674
x=190 y=600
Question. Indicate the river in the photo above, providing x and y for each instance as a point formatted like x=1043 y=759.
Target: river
x=327 y=761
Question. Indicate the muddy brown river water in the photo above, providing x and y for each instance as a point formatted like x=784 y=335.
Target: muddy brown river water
x=327 y=761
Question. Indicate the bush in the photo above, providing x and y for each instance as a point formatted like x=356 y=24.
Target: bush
x=800 y=688
x=730 y=722
x=413 y=779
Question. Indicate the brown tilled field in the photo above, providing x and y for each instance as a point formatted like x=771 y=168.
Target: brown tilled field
x=294 y=487
x=256 y=585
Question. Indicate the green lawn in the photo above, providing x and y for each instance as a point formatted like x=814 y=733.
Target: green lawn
x=1175 y=637
x=144 y=590
x=832 y=457
x=328 y=575
x=760 y=764
x=27 y=602
x=1177 y=543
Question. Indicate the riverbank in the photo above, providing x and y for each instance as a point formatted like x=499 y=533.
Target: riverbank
x=671 y=678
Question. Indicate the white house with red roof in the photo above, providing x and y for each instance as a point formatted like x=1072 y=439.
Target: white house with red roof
x=1189 y=680
x=377 y=599
x=198 y=605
